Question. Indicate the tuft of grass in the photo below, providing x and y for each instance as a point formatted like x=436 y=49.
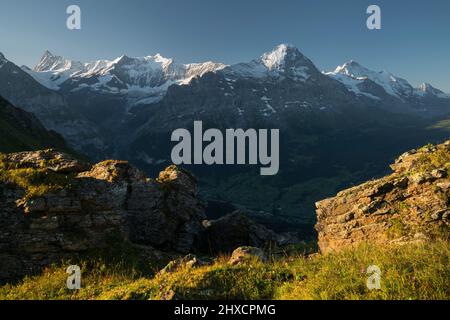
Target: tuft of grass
x=34 y=181
x=413 y=271
x=439 y=158
x=397 y=229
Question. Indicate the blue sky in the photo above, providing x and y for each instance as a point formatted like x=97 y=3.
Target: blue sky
x=414 y=42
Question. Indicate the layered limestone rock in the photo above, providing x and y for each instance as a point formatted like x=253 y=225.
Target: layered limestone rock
x=411 y=204
x=54 y=207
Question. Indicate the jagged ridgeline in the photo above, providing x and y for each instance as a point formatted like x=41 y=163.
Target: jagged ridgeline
x=21 y=131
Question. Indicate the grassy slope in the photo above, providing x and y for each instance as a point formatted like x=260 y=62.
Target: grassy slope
x=417 y=271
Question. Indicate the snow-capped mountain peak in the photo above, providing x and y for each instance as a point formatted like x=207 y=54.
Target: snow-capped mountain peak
x=353 y=74
x=276 y=58
x=428 y=88
x=50 y=62
x=141 y=79
x=360 y=80
x=355 y=70
x=283 y=61
x=352 y=69
x=288 y=59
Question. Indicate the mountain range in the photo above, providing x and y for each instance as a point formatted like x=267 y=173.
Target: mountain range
x=145 y=80
x=337 y=128
x=159 y=73
x=140 y=80
x=84 y=100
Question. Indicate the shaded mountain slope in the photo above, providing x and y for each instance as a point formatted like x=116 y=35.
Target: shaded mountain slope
x=21 y=131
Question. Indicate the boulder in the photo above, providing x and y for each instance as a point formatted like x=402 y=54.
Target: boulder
x=247 y=253
x=234 y=230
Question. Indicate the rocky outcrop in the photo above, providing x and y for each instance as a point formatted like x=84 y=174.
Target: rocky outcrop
x=411 y=204
x=53 y=207
x=237 y=229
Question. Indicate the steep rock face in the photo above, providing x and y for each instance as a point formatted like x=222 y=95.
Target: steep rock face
x=412 y=204
x=54 y=207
